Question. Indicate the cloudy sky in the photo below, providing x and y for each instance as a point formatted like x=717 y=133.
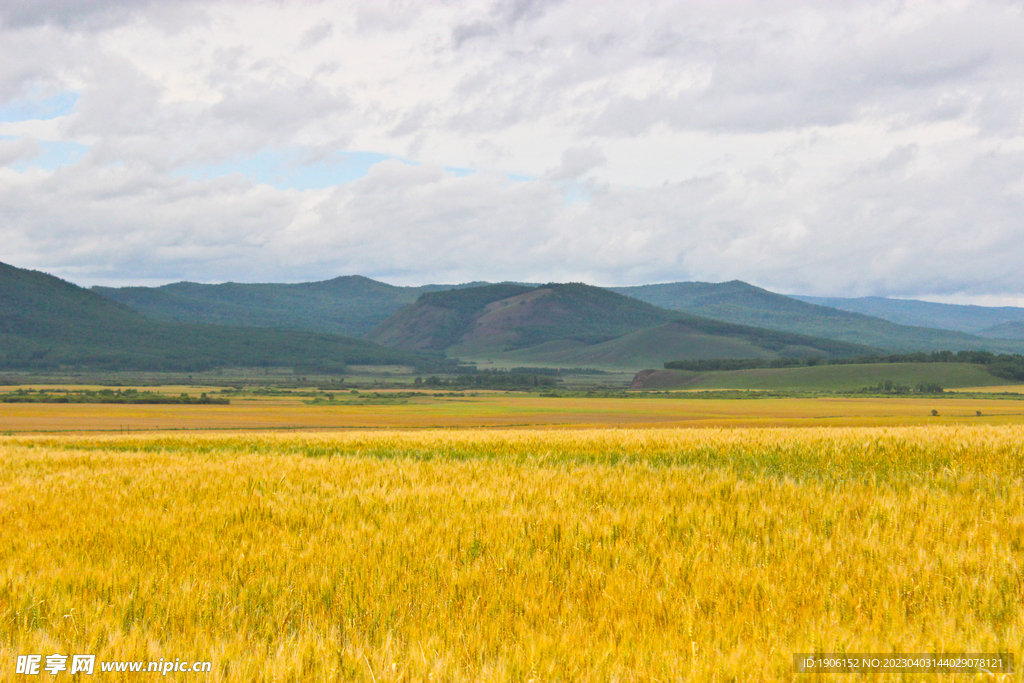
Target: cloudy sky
x=839 y=148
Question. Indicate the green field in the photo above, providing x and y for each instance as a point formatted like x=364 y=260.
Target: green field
x=827 y=377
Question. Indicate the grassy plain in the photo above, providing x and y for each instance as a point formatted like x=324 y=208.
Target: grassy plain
x=512 y=555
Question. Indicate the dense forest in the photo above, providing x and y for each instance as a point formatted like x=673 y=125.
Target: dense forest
x=47 y=323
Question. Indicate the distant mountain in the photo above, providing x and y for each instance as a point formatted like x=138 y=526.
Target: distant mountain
x=1008 y=330
x=351 y=305
x=46 y=322
x=577 y=324
x=355 y=306
x=742 y=303
x=973 y=319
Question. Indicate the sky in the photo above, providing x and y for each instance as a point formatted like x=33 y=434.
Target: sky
x=837 y=149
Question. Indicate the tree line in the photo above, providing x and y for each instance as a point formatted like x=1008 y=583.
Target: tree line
x=1005 y=365
x=131 y=396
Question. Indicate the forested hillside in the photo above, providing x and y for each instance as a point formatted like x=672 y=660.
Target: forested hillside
x=575 y=325
x=745 y=304
x=46 y=322
x=982 y=320
x=350 y=305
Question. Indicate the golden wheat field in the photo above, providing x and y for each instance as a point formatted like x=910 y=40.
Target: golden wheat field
x=504 y=410
x=512 y=555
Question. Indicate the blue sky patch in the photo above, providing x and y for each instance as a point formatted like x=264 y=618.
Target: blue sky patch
x=44 y=109
x=575 y=192
x=54 y=155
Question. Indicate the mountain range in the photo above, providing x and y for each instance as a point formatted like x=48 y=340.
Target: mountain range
x=1004 y=322
x=576 y=324
x=745 y=304
x=350 y=305
x=46 y=322
x=354 y=305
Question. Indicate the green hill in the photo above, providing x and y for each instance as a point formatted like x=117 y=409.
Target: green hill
x=350 y=305
x=46 y=322
x=649 y=346
x=823 y=377
x=741 y=303
x=572 y=325
x=971 y=319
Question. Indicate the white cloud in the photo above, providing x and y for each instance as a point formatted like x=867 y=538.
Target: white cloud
x=575 y=162
x=17 y=150
x=840 y=148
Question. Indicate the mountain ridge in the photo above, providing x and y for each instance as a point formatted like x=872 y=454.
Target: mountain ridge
x=349 y=305
x=46 y=322
x=742 y=303
x=575 y=323
x=972 y=319
x=356 y=305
